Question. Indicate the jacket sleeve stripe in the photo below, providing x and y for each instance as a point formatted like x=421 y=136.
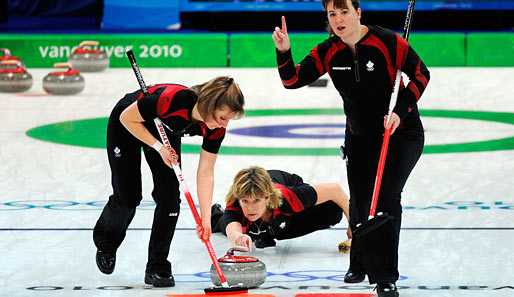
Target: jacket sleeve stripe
x=315 y=55
x=414 y=90
x=218 y=133
x=181 y=113
x=293 y=80
x=165 y=99
x=291 y=197
x=421 y=79
x=331 y=52
x=285 y=63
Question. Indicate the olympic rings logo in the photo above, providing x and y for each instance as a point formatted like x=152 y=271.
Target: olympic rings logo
x=150 y=205
x=290 y=276
x=65 y=205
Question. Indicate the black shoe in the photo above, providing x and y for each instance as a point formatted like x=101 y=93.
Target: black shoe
x=216 y=209
x=265 y=242
x=353 y=277
x=105 y=262
x=387 y=290
x=216 y=214
x=159 y=279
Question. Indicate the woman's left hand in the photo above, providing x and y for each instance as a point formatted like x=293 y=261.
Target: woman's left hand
x=393 y=123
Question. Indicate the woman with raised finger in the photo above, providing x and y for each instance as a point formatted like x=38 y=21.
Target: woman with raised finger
x=362 y=61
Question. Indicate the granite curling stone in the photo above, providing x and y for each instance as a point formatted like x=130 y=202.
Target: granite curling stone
x=89 y=60
x=240 y=270
x=14 y=77
x=7 y=56
x=63 y=82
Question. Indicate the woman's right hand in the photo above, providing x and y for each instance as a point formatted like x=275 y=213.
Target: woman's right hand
x=281 y=38
x=244 y=240
x=169 y=156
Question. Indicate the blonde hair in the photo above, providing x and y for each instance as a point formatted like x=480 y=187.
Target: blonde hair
x=216 y=93
x=254 y=182
x=341 y=4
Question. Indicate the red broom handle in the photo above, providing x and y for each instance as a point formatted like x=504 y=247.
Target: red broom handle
x=392 y=104
x=380 y=172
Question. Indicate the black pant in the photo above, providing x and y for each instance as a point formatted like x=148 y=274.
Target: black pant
x=376 y=253
x=318 y=217
x=124 y=153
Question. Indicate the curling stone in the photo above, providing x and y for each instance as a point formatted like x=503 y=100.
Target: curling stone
x=63 y=82
x=14 y=77
x=7 y=56
x=89 y=60
x=240 y=270
x=345 y=246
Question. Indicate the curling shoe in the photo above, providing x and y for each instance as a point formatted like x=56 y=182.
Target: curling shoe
x=265 y=242
x=216 y=213
x=105 y=261
x=159 y=279
x=352 y=277
x=387 y=290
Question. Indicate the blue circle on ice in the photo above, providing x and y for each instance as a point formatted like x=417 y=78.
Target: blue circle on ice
x=294 y=131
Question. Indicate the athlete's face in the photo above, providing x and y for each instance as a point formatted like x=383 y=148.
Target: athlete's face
x=344 y=22
x=221 y=118
x=253 y=208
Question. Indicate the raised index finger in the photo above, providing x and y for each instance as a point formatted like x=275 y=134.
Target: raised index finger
x=284 y=26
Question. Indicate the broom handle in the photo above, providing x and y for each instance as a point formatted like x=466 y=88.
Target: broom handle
x=392 y=104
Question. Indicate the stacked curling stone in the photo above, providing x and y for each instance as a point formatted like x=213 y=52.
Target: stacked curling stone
x=89 y=60
x=14 y=77
x=63 y=82
x=7 y=56
x=239 y=270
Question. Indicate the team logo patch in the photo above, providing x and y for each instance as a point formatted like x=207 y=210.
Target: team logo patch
x=370 y=66
x=117 y=152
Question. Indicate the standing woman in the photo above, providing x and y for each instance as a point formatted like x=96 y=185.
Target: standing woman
x=362 y=61
x=203 y=110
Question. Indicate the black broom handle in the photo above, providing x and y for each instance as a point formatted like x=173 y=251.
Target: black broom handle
x=408 y=19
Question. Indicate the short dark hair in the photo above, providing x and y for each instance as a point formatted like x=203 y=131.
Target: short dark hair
x=339 y=4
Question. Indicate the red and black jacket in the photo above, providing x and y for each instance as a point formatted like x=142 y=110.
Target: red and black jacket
x=364 y=80
x=173 y=104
